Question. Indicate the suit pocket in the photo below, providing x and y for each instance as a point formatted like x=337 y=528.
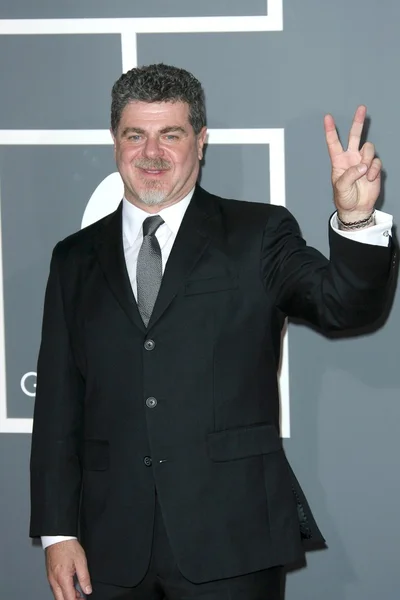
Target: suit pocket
x=207 y=286
x=243 y=442
x=96 y=455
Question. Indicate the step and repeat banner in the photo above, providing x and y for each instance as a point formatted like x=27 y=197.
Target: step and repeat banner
x=270 y=71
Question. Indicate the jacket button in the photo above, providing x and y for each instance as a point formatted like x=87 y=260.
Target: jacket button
x=147 y=461
x=149 y=344
x=151 y=402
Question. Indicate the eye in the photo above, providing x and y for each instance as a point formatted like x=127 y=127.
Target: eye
x=170 y=137
x=135 y=138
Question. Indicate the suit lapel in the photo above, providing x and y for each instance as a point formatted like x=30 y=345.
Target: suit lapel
x=111 y=257
x=199 y=225
x=190 y=243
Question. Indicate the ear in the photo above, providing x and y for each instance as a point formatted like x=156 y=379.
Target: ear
x=201 y=140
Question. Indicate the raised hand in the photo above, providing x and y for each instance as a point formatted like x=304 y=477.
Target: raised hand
x=356 y=173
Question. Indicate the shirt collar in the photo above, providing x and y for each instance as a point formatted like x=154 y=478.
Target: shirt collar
x=133 y=217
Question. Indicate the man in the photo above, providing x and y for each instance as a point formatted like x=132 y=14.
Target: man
x=156 y=428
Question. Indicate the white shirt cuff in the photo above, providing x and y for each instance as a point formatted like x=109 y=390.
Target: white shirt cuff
x=377 y=235
x=49 y=540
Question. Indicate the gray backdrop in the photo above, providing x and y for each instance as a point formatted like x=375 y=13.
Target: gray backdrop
x=344 y=408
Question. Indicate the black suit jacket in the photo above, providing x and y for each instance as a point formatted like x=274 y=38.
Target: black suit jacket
x=210 y=446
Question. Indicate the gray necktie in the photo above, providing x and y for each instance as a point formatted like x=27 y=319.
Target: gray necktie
x=149 y=268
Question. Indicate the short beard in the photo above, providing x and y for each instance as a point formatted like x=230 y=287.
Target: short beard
x=153 y=196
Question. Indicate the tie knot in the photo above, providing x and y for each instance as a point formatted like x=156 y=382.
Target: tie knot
x=151 y=224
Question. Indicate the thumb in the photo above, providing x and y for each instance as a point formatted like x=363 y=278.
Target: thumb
x=350 y=176
x=82 y=574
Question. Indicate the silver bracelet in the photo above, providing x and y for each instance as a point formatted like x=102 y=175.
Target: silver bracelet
x=356 y=224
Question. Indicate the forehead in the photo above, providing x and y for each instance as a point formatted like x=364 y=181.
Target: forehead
x=155 y=113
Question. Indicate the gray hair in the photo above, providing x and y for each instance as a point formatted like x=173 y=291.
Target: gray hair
x=159 y=83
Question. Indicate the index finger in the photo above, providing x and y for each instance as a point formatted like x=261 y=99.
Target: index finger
x=356 y=128
x=332 y=139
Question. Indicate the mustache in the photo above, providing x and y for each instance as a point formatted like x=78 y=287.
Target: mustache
x=157 y=164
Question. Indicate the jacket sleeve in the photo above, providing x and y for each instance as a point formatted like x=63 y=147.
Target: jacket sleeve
x=349 y=291
x=55 y=463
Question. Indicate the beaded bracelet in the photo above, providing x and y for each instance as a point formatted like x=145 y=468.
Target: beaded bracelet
x=357 y=224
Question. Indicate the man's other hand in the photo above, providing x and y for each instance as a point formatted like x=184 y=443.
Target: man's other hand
x=64 y=560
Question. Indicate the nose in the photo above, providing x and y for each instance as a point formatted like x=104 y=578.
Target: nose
x=152 y=148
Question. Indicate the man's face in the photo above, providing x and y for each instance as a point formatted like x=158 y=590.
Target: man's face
x=157 y=152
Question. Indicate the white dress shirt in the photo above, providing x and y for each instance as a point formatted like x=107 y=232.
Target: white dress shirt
x=132 y=232
x=132 y=221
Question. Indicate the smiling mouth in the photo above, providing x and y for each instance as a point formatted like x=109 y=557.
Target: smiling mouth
x=154 y=171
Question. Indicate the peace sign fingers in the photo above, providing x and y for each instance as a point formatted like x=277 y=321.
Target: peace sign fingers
x=356 y=129
x=332 y=139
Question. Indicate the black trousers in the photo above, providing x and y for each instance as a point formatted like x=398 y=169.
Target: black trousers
x=164 y=581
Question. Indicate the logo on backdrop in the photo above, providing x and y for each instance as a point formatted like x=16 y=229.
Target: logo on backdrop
x=28 y=384
x=104 y=199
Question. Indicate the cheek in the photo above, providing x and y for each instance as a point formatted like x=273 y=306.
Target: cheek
x=190 y=162
x=126 y=155
x=185 y=160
